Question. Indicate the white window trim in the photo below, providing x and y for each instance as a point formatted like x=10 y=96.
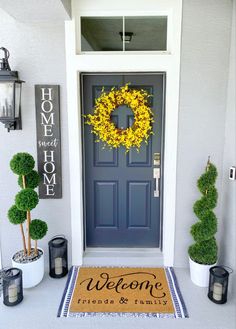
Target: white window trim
x=169 y=63
x=168 y=14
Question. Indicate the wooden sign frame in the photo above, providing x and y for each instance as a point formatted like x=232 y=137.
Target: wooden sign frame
x=47 y=104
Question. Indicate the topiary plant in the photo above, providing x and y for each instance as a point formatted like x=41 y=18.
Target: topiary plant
x=38 y=229
x=27 y=199
x=204 y=250
x=22 y=164
x=18 y=217
x=32 y=180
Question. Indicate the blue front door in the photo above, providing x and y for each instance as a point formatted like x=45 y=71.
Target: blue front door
x=122 y=199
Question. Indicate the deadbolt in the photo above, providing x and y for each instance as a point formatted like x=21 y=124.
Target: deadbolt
x=156 y=159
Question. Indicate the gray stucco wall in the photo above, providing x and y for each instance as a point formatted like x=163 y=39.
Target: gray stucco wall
x=37 y=52
x=203 y=100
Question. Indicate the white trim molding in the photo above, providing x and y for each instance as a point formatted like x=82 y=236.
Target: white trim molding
x=135 y=62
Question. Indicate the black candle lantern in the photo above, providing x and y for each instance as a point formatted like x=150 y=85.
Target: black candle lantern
x=12 y=286
x=58 y=257
x=218 y=284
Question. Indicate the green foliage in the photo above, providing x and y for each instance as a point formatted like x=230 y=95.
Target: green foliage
x=204 y=250
x=206 y=203
x=32 y=180
x=38 y=229
x=26 y=199
x=22 y=163
x=200 y=208
x=16 y=216
x=207 y=179
x=208 y=226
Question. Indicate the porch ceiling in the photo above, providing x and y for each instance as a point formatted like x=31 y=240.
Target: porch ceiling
x=37 y=11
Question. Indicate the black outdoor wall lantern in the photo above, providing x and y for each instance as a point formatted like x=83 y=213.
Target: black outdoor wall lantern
x=10 y=94
x=12 y=286
x=58 y=262
x=218 y=284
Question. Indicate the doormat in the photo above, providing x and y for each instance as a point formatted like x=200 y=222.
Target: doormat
x=102 y=291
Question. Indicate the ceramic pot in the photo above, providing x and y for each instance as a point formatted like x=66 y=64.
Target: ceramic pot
x=33 y=272
x=199 y=273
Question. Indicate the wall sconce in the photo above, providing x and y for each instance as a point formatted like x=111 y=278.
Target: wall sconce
x=127 y=36
x=10 y=94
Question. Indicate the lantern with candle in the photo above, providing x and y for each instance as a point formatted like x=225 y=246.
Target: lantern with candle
x=12 y=286
x=58 y=262
x=218 y=284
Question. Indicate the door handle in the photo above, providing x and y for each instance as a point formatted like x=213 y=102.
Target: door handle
x=156 y=176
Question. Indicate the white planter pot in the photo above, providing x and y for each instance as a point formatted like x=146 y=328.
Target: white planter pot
x=32 y=272
x=199 y=273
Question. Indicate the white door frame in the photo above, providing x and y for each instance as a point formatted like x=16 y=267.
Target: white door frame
x=156 y=62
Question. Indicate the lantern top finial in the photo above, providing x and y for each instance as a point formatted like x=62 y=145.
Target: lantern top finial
x=4 y=64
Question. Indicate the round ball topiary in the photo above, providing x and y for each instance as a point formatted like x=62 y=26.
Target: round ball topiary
x=32 y=180
x=26 y=199
x=38 y=229
x=16 y=216
x=22 y=163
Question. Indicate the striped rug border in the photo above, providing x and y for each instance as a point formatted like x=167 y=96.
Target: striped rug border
x=177 y=298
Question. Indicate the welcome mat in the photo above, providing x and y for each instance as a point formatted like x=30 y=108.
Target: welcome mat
x=100 y=291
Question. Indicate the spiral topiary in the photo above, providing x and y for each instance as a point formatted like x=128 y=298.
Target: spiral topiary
x=26 y=199
x=16 y=216
x=22 y=163
x=32 y=180
x=204 y=250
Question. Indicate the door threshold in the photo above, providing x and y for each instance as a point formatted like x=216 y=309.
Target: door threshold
x=146 y=257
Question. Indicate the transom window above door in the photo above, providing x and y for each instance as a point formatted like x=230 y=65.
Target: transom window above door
x=129 y=33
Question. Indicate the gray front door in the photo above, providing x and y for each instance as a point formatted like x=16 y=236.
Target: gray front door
x=122 y=200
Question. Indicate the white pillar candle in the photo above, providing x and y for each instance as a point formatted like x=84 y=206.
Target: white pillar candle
x=217 y=291
x=58 y=266
x=12 y=293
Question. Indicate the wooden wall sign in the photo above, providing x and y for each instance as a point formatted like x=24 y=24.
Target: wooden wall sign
x=48 y=140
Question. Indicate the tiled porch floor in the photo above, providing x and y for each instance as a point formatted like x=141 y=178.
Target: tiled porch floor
x=39 y=308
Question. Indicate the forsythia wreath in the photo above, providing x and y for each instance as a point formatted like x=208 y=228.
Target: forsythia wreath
x=106 y=130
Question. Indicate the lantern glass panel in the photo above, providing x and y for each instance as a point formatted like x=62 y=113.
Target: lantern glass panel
x=12 y=286
x=17 y=99
x=7 y=99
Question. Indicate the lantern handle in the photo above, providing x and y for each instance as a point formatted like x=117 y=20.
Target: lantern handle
x=4 y=64
x=58 y=236
x=227 y=267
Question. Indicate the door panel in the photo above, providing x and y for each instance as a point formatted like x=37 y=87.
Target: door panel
x=138 y=214
x=120 y=207
x=105 y=193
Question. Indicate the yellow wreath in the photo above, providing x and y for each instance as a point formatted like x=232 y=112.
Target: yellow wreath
x=106 y=130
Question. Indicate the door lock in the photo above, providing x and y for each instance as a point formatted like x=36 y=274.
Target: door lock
x=156 y=159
